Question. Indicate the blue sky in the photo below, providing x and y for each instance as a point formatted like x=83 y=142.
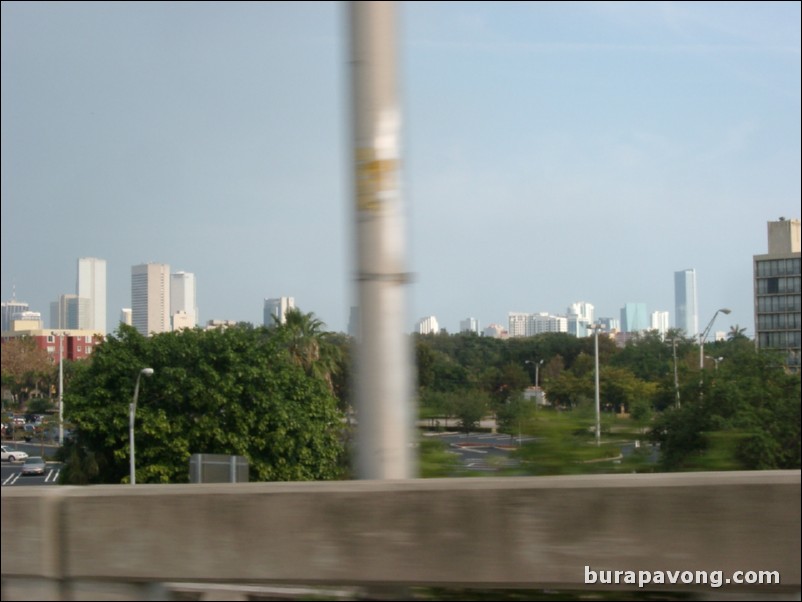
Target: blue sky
x=553 y=152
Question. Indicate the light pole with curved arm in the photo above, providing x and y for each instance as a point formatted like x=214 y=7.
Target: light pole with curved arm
x=131 y=414
x=703 y=336
x=595 y=328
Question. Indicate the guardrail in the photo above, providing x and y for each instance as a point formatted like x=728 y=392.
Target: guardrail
x=125 y=542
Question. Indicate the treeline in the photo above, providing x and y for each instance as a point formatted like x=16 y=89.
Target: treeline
x=742 y=411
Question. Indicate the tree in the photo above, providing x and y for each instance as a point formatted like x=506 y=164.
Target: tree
x=308 y=344
x=236 y=391
x=25 y=368
x=469 y=407
x=747 y=417
x=736 y=332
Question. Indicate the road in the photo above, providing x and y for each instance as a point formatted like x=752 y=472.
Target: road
x=12 y=471
x=483 y=452
x=12 y=475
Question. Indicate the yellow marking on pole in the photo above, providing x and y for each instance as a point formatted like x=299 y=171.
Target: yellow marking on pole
x=373 y=176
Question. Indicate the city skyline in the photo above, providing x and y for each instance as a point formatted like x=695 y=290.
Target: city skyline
x=179 y=299
x=551 y=152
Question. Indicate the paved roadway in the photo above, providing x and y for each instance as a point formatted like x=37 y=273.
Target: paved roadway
x=484 y=452
x=12 y=471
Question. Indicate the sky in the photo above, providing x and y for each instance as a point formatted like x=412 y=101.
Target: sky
x=552 y=152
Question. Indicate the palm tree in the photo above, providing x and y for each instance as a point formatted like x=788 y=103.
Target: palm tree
x=309 y=345
x=736 y=332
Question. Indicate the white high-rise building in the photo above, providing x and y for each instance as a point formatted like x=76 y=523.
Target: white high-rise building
x=126 y=316
x=91 y=285
x=582 y=310
x=580 y=316
x=517 y=323
x=275 y=310
x=428 y=325
x=659 y=322
x=183 y=298
x=150 y=298
x=469 y=325
x=686 y=313
x=529 y=325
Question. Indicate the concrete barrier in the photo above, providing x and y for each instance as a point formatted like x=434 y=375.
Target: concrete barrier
x=121 y=542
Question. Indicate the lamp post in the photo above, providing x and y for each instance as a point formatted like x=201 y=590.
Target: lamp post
x=595 y=328
x=703 y=336
x=676 y=378
x=60 y=387
x=131 y=413
x=716 y=360
x=537 y=366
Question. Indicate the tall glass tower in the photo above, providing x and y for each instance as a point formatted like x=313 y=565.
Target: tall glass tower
x=686 y=309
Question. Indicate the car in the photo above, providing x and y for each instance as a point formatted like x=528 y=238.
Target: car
x=11 y=455
x=33 y=465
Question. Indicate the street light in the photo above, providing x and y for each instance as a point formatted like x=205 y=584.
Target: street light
x=60 y=387
x=537 y=366
x=703 y=336
x=715 y=359
x=132 y=411
x=676 y=379
x=595 y=328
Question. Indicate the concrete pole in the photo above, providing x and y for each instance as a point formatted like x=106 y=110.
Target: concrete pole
x=61 y=389
x=676 y=378
x=598 y=404
x=384 y=397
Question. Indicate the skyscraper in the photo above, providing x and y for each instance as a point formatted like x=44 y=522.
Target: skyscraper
x=150 y=297
x=91 y=285
x=183 y=298
x=70 y=311
x=9 y=309
x=777 y=291
x=634 y=317
x=686 y=313
x=275 y=310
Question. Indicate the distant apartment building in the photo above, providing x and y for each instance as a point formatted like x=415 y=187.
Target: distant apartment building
x=634 y=317
x=91 y=285
x=75 y=344
x=127 y=316
x=150 y=298
x=428 y=325
x=495 y=331
x=659 y=322
x=579 y=317
x=517 y=324
x=686 y=313
x=469 y=325
x=221 y=324
x=183 y=300
x=777 y=291
x=531 y=324
x=275 y=310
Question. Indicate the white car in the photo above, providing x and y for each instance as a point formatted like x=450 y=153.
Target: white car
x=11 y=455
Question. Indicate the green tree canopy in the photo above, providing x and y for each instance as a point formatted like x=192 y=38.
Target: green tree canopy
x=235 y=391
